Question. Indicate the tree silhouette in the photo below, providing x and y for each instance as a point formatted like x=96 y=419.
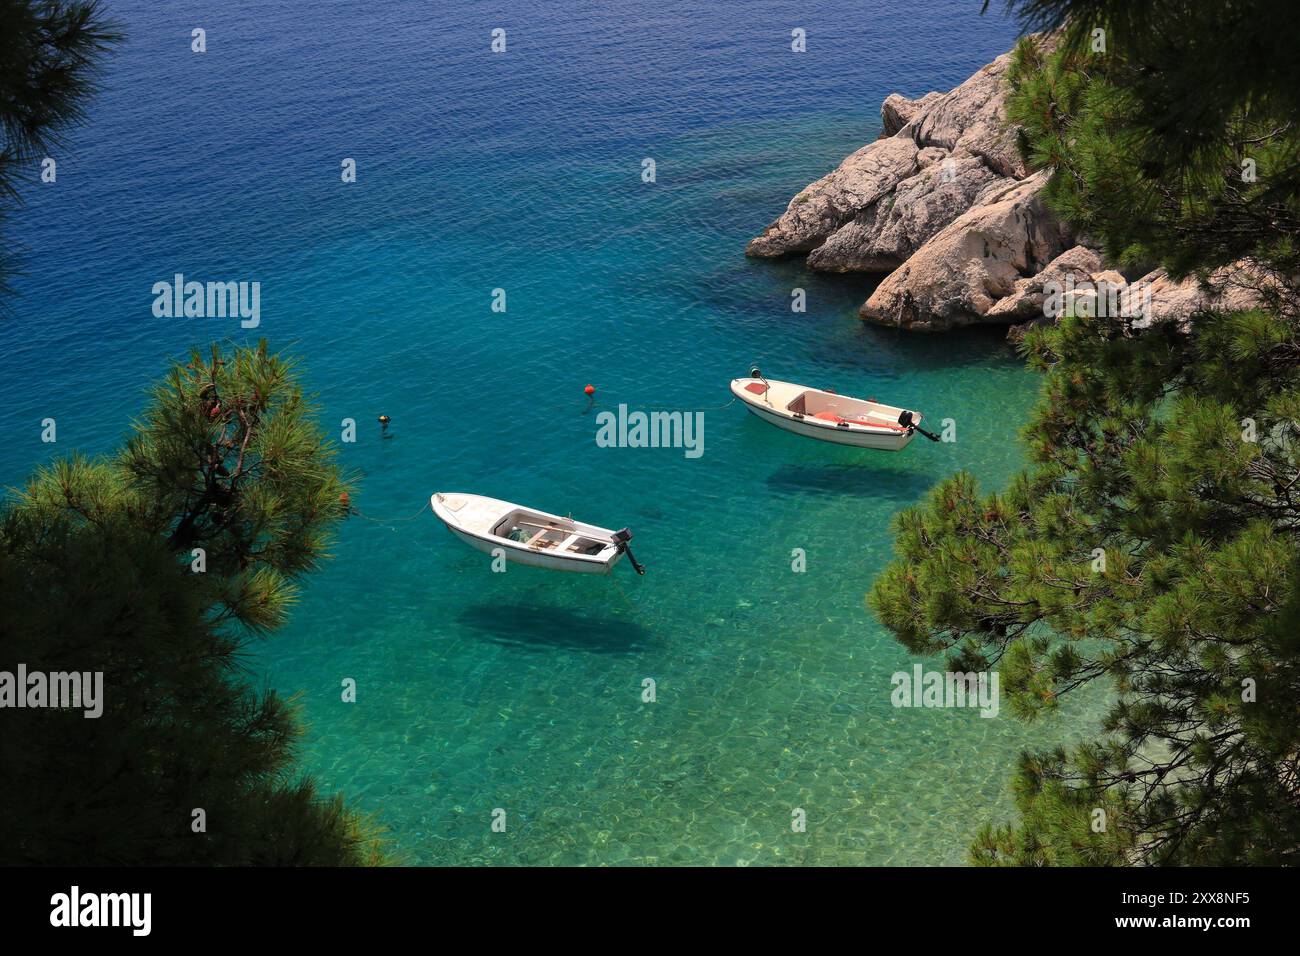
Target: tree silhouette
x=156 y=567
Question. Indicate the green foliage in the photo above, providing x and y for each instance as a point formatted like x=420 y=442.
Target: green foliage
x=50 y=51
x=1170 y=453
x=1200 y=61
x=1137 y=449
x=96 y=574
x=49 y=54
x=1174 y=145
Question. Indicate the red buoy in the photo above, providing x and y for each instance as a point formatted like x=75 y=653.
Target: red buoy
x=590 y=389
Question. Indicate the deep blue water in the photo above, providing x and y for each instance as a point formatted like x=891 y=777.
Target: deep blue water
x=522 y=171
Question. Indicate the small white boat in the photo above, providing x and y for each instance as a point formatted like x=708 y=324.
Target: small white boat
x=535 y=538
x=824 y=415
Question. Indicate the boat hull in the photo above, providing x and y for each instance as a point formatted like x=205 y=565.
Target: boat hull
x=882 y=439
x=535 y=559
x=832 y=433
x=517 y=553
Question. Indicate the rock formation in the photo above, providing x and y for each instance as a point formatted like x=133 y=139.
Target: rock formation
x=938 y=156
x=974 y=262
x=942 y=203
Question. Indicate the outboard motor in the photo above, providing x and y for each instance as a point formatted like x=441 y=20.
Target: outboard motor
x=621 y=538
x=907 y=420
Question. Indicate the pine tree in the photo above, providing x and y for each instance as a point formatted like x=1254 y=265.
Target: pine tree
x=50 y=53
x=1171 y=127
x=1151 y=541
x=157 y=566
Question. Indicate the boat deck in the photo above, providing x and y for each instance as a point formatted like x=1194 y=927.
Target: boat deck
x=475 y=514
x=491 y=518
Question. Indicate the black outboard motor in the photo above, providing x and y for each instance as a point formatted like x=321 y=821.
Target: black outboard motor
x=906 y=419
x=621 y=538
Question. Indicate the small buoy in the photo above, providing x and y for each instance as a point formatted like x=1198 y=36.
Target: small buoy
x=384 y=419
x=590 y=389
x=345 y=503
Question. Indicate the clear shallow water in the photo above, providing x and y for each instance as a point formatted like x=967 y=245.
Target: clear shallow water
x=523 y=690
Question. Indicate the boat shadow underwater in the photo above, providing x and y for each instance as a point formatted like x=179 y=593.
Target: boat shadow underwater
x=541 y=627
x=849 y=479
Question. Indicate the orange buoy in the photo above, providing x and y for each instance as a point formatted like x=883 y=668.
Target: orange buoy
x=590 y=389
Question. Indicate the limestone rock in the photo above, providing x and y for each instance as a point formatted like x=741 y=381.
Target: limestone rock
x=897 y=111
x=822 y=208
x=1025 y=304
x=1157 y=298
x=973 y=118
x=942 y=201
x=883 y=235
x=960 y=274
x=885 y=211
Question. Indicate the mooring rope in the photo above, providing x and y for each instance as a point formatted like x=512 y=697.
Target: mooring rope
x=388 y=522
x=706 y=408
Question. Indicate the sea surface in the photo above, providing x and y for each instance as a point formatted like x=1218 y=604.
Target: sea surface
x=523 y=171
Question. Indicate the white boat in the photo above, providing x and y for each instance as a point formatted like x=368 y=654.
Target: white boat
x=535 y=538
x=824 y=415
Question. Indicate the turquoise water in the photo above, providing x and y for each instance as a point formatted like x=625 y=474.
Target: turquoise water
x=522 y=690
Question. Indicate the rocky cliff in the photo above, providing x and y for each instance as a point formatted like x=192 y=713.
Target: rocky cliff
x=943 y=203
